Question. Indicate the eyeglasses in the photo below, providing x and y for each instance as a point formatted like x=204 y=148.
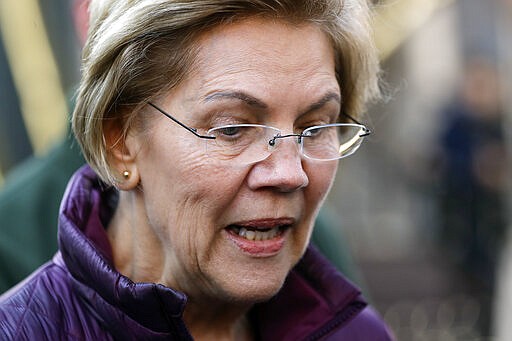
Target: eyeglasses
x=251 y=143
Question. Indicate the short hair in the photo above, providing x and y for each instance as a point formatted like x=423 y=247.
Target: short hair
x=138 y=49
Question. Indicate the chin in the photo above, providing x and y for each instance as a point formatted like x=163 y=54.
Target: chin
x=240 y=276
x=251 y=292
x=254 y=284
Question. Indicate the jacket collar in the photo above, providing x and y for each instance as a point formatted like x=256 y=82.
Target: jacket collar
x=314 y=294
x=314 y=298
x=86 y=252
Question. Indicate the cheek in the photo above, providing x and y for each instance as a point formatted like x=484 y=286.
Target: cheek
x=183 y=187
x=321 y=179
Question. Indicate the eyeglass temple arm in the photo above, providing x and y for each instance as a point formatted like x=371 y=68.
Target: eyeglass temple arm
x=192 y=130
x=366 y=130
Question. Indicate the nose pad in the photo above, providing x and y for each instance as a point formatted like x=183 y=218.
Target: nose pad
x=276 y=140
x=282 y=169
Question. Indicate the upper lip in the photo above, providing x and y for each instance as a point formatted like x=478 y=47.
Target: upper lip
x=265 y=223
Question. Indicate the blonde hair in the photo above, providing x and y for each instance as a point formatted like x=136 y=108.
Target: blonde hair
x=138 y=49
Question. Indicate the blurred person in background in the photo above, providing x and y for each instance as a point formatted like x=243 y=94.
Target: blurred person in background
x=31 y=196
x=473 y=182
x=155 y=241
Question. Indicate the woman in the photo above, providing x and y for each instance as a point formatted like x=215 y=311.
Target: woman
x=212 y=130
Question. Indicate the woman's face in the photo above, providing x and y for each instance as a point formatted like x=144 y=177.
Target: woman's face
x=253 y=71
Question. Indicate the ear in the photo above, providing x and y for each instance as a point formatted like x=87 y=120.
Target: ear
x=122 y=155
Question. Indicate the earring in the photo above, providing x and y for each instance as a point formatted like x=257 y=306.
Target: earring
x=126 y=175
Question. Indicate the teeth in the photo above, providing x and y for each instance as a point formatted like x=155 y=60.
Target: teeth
x=242 y=232
x=258 y=235
x=250 y=235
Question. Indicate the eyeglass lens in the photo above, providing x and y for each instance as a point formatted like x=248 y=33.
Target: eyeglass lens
x=248 y=143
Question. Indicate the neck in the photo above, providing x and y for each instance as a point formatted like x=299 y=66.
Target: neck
x=137 y=251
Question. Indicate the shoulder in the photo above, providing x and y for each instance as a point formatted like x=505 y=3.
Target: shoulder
x=43 y=305
x=367 y=325
x=32 y=303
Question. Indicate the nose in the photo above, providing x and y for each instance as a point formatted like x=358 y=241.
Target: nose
x=281 y=170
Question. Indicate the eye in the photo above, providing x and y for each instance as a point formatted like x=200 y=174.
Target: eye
x=238 y=136
x=229 y=131
x=312 y=132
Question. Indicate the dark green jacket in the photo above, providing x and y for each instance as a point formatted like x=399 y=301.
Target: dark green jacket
x=29 y=205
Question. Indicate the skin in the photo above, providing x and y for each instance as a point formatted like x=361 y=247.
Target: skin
x=170 y=225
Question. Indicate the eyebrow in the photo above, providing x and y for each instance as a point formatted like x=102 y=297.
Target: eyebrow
x=239 y=95
x=253 y=101
x=330 y=96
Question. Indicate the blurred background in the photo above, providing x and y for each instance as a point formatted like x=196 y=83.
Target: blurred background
x=424 y=206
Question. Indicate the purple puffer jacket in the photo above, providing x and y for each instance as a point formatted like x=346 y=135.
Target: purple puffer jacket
x=79 y=295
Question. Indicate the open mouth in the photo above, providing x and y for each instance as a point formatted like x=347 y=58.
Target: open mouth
x=260 y=237
x=257 y=234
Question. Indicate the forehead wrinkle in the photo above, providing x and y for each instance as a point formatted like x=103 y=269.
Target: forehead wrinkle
x=254 y=76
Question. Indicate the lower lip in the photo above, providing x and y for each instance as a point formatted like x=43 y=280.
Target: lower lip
x=259 y=248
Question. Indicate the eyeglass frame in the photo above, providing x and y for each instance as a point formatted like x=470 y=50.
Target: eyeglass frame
x=271 y=142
